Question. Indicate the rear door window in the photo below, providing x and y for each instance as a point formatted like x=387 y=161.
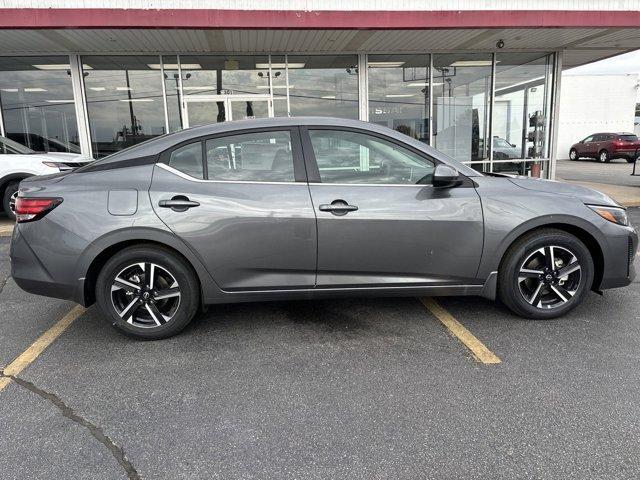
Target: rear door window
x=254 y=157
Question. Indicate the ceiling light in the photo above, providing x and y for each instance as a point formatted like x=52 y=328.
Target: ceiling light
x=60 y=101
x=58 y=66
x=136 y=99
x=266 y=87
x=174 y=66
x=265 y=66
x=97 y=89
x=472 y=63
x=386 y=64
x=329 y=96
x=9 y=90
x=124 y=89
x=423 y=84
x=194 y=88
x=399 y=95
x=35 y=90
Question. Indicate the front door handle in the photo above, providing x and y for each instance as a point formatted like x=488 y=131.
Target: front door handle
x=338 y=207
x=178 y=203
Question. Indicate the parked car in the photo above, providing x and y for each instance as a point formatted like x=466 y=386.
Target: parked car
x=18 y=162
x=39 y=143
x=607 y=146
x=245 y=211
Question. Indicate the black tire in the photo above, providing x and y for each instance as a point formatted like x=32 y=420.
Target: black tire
x=166 y=265
x=512 y=289
x=11 y=188
x=573 y=154
x=603 y=156
x=630 y=160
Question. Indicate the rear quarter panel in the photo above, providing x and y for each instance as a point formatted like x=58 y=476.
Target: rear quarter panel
x=69 y=238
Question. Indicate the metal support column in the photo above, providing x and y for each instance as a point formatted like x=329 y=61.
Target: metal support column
x=363 y=87
x=491 y=109
x=80 y=102
x=555 y=114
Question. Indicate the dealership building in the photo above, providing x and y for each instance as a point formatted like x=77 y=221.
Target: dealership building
x=478 y=79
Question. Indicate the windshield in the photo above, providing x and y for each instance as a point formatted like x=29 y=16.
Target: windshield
x=10 y=147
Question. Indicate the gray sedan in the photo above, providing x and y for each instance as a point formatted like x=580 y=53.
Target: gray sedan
x=306 y=208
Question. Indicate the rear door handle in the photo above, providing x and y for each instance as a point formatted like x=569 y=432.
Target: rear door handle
x=338 y=207
x=178 y=204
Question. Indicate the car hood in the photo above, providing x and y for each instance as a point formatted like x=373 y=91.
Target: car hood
x=584 y=194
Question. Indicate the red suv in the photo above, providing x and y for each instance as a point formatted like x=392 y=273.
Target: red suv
x=606 y=146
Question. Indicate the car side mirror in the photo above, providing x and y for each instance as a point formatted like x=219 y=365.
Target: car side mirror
x=445 y=176
x=513 y=145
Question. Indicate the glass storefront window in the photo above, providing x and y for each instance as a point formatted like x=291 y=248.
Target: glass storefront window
x=521 y=110
x=399 y=93
x=461 y=94
x=172 y=91
x=124 y=101
x=225 y=77
x=36 y=99
x=323 y=85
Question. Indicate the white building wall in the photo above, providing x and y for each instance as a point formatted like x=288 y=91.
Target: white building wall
x=311 y=5
x=595 y=103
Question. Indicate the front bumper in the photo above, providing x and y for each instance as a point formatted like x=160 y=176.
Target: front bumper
x=620 y=253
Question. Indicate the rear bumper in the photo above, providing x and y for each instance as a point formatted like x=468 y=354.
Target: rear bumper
x=30 y=273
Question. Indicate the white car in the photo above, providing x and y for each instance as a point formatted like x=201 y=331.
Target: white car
x=18 y=162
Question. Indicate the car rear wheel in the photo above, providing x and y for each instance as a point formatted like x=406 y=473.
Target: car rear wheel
x=545 y=274
x=603 y=156
x=573 y=154
x=631 y=160
x=9 y=199
x=147 y=292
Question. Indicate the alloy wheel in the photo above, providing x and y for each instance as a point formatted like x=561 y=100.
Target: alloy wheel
x=549 y=277
x=573 y=155
x=145 y=295
x=12 y=202
x=603 y=157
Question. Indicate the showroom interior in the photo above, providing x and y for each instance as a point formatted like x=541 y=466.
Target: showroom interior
x=99 y=104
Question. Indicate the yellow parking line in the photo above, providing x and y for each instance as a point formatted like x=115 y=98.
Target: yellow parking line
x=47 y=338
x=478 y=349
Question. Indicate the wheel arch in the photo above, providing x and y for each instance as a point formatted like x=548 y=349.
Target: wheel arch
x=99 y=252
x=584 y=233
x=4 y=181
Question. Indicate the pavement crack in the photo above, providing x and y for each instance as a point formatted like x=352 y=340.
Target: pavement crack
x=95 y=431
x=3 y=283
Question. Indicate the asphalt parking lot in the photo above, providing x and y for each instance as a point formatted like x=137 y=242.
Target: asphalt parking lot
x=374 y=389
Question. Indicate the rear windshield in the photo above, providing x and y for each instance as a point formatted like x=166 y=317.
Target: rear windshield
x=628 y=138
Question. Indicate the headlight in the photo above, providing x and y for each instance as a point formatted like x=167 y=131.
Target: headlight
x=613 y=214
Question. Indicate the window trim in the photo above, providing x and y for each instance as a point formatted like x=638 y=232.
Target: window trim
x=166 y=159
x=314 y=172
x=299 y=169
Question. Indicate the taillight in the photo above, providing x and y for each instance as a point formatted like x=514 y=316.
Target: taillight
x=30 y=209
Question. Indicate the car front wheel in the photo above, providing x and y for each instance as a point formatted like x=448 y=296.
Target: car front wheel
x=147 y=292
x=573 y=154
x=545 y=274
